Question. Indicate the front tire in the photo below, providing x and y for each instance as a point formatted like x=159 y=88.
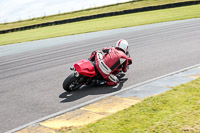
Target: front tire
x=72 y=83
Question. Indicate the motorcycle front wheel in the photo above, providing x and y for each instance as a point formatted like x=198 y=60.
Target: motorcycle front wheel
x=72 y=83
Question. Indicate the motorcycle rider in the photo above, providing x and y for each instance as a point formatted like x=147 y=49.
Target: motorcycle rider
x=110 y=60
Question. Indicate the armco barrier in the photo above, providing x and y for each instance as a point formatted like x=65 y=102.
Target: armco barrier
x=150 y=8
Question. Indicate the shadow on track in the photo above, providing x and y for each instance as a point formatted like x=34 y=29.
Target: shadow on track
x=90 y=90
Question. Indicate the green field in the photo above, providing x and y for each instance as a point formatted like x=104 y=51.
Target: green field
x=111 y=8
x=100 y=24
x=174 y=111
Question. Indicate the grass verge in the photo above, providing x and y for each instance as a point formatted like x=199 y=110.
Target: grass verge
x=110 y=8
x=100 y=24
x=175 y=111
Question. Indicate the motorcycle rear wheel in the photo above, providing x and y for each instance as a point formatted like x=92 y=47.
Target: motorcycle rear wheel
x=72 y=83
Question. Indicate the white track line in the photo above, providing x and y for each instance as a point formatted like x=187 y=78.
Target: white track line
x=97 y=99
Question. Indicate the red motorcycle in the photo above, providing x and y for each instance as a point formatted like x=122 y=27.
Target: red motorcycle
x=85 y=73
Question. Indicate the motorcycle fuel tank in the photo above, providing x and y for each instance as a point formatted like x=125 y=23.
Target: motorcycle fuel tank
x=85 y=67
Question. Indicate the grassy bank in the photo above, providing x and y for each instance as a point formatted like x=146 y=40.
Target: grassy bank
x=112 y=8
x=175 y=111
x=107 y=23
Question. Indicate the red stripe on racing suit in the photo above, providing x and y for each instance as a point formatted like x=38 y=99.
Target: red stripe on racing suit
x=110 y=62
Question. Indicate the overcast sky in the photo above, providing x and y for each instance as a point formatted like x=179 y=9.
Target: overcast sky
x=14 y=10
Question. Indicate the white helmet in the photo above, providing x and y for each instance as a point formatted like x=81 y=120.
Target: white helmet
x=122 y=44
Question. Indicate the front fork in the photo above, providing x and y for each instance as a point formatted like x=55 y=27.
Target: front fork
x=76 y=74
x=84 y=79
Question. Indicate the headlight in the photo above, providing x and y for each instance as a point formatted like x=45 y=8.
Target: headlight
x=72 y=68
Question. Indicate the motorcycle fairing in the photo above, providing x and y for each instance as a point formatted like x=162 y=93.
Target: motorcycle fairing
x=85 y=67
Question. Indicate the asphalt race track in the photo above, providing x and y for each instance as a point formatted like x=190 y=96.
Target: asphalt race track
x=31 y=82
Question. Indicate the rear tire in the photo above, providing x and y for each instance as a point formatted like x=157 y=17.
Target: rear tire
x=72 y=83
